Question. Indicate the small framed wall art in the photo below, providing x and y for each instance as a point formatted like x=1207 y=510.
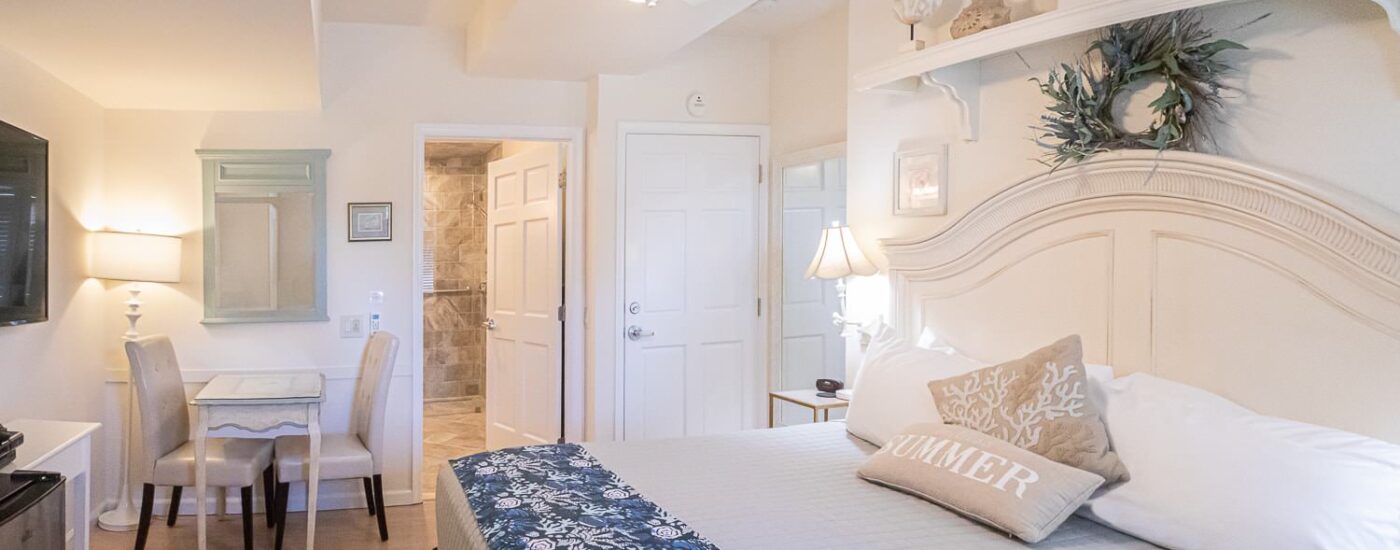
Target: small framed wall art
x=371 y=221
x=921 y=182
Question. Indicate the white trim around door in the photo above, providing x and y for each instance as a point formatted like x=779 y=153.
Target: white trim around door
x=755 y=396
x=574 y=224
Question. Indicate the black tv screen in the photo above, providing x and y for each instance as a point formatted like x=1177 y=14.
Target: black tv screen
x=24 y=227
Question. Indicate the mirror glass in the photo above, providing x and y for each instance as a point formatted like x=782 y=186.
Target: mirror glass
x=812 y=347
x=264 y=235
x=264 y=260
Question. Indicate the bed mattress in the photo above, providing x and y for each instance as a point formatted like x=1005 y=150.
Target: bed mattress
x=793 y=487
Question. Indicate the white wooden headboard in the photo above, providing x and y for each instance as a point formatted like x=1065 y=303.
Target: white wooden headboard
x=1280 y=294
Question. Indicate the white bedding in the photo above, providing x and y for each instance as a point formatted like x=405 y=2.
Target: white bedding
x=786 y=488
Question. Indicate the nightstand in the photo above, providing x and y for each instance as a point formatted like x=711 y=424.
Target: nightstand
x=805 y=398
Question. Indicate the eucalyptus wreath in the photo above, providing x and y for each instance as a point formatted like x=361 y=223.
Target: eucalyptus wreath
x=1175 y=48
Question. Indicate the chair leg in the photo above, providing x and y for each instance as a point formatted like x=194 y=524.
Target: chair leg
x=269 y=502
x=379 y=506
x=282 y=490
x=148 y=497
x=174 y=505
x=246 y=495
x=369 y=494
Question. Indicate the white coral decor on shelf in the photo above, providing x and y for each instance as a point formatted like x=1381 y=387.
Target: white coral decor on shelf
x=912 y=12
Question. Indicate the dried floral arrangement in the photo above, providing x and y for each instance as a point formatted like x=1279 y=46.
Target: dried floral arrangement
x=1175 y=48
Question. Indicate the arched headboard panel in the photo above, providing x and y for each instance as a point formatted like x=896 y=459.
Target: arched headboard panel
x=1280 y=294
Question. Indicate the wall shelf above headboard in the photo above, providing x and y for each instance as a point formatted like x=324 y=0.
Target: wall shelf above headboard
x=953 y=66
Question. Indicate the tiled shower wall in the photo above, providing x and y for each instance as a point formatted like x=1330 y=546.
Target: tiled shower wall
x=454 y=198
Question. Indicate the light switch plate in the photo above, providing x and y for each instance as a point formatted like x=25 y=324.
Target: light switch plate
x=352 y=326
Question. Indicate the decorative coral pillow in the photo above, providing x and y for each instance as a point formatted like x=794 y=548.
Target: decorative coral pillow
x=1039 y=403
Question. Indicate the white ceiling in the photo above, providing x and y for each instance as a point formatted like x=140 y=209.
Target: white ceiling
x=426 y=13
x=173 y=54
x=770 y=18
x=263 y=55
x=576 y=39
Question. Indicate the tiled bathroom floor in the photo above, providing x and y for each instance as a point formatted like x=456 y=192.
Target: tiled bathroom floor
x=450 y=430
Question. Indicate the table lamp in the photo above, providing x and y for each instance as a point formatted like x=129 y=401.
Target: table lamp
x=134 y=258
x=838 y=256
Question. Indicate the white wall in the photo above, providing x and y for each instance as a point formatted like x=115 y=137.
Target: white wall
x=808 y=84
x=378 y=83
x=733 y=72
x=1321 y=98
x=54 y=370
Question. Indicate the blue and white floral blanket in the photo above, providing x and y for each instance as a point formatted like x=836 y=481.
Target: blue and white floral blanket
x=559 y=497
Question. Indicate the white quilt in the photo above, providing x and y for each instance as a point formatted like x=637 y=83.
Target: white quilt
x=787 y=488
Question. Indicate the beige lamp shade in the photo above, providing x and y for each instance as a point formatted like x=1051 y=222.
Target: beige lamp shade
x=137 y=257
x=838 y=256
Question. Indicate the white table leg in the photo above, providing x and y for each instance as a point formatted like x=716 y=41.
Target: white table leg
x=201 y=475
x=221 y=505
x=313 y=482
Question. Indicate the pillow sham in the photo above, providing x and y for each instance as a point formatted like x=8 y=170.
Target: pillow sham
x=1208 y=473
x=1040 y=403
x=891 y=387
x=981 y=477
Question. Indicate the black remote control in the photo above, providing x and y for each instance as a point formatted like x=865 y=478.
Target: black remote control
x=35 y=475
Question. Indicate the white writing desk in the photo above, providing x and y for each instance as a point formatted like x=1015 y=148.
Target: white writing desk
x=253 y=405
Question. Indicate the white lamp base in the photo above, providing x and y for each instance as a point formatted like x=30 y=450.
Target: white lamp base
x=126 y=516
x=123 y=518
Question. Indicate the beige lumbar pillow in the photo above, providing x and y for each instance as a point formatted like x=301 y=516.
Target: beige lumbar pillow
x=1038 y=402
x=981 y=477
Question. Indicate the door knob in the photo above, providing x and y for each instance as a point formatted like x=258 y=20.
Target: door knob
x=637 y=333
x=490 y=324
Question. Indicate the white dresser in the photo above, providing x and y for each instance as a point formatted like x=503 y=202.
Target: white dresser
x=66 y=448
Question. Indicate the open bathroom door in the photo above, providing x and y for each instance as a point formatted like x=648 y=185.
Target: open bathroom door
x=524 y=277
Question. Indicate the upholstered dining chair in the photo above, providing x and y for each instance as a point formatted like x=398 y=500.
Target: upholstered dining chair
x=355 y=455
x=169 y=452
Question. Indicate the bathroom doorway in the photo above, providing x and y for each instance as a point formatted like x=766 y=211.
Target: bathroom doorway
x=492 y=281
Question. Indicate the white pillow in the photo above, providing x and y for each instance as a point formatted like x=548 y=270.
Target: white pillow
x=891 y=389
x=929 y=340
x=1208 y=473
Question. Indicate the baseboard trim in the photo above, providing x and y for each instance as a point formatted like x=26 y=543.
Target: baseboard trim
x=337 y=499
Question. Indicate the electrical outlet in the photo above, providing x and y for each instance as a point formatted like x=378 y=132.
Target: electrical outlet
x=352 y=326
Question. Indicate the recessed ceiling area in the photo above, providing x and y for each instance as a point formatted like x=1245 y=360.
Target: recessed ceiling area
x=425 y=13
x=174 y=54
x=770 y=18
x=576 y=39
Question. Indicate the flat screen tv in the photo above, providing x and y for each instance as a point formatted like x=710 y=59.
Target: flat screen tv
x=24 y=227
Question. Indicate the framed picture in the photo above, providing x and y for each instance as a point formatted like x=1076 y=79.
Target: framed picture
x=371 y=221
x=921 y=182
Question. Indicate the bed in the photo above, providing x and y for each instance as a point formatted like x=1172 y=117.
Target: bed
x=800 y=480
x=1279 y=294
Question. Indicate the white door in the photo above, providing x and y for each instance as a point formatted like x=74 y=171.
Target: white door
x=524 y=278
x=814 y=195
x=691 y=269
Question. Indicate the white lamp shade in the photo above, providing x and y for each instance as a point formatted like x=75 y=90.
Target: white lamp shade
x=838 y=256
x=135 y=257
